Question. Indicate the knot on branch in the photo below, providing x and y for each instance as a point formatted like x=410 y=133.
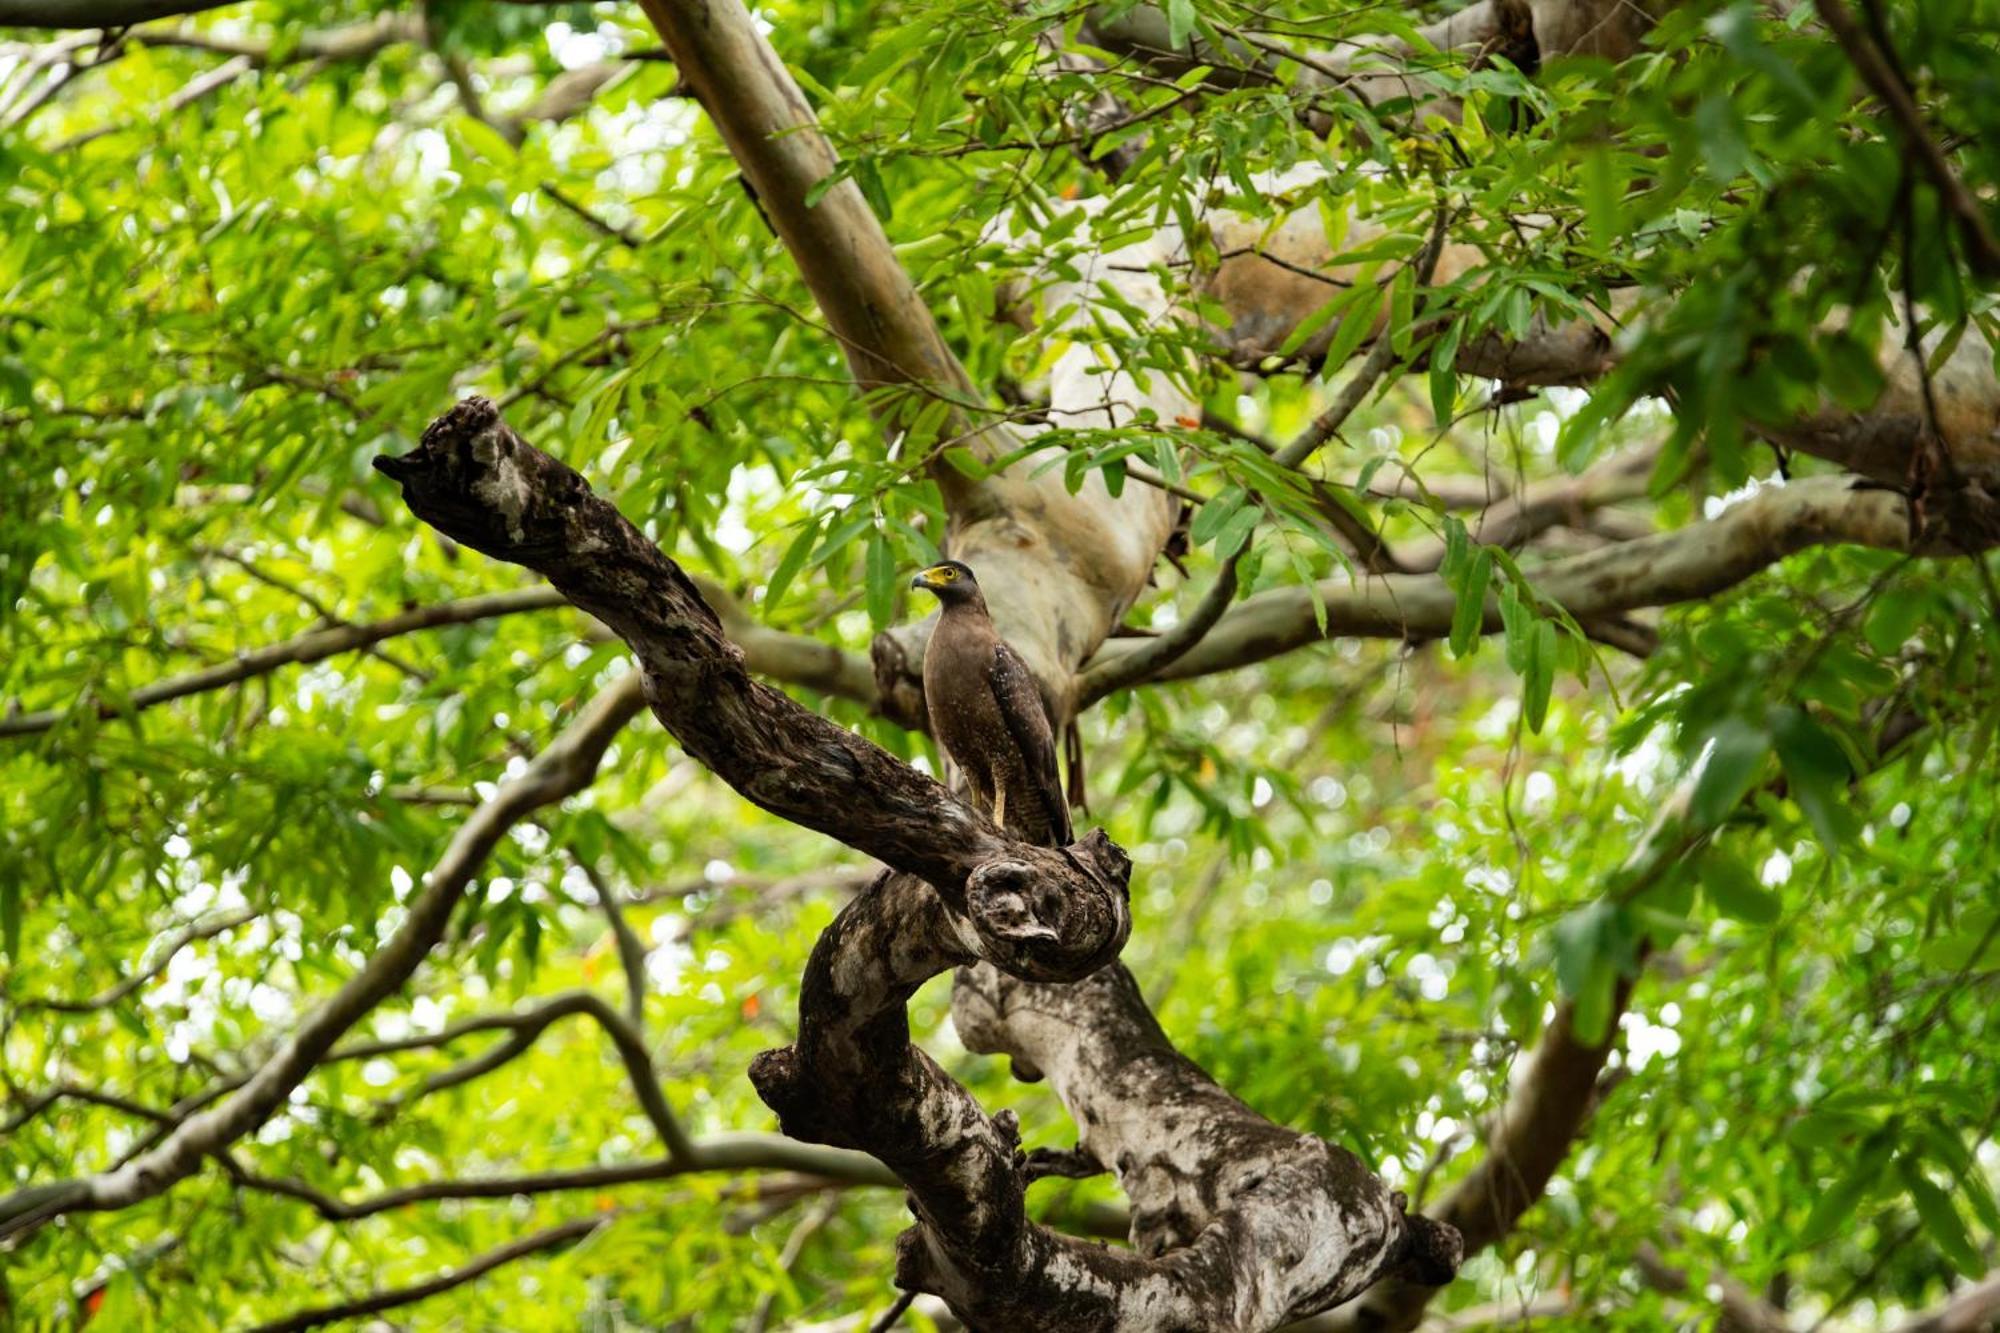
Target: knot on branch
x=1432 y=1250
x=1045 y=928
x=804 y=1110
x=899 y=683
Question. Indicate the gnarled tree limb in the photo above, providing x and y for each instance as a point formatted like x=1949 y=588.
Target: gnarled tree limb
x=487 y=488
x=959 y=892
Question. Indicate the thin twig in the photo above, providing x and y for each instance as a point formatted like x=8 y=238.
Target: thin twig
x=894 y=1313
x=1131 y=668
x=106 y=998
x=556 y=1237
x=1982 y=250
x=631 y=950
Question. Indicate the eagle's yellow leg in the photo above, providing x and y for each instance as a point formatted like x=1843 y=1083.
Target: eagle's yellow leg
x=1000 y=806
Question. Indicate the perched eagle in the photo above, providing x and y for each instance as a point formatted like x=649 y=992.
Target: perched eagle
x=988 y=715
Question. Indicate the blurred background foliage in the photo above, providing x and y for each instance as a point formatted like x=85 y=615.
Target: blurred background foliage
x=1364 y=872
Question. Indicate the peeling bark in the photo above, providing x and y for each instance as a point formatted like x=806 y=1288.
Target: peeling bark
x=1268 y=288
x=1060 y=569
x=1274 y=275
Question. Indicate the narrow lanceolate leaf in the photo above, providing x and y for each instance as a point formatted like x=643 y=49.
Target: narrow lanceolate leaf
x=882 y=580
x=1735 y=761
x=1733 y=889
x=1539 y=678
x=1833 y=1209
x=1941 y=1220
x=1469 y=615
x=789 y=564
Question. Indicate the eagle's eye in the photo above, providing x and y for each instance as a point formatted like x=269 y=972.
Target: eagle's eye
x=948 y=574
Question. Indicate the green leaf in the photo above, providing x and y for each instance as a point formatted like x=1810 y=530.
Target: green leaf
x=1577 y=443
x=1468 y=617
x=1354 y=327
x=483 y=139
x=1943 y=1146
x=1579 y=941
x=1540 y=676
x=1735 y=891
x=1830 y=1128
x=1444 y=393
x=1817 y=772
x=1237 y=531
x=1734 y=764
x=1835 y=1207
x=1975 y=939
x=1180 y=22
x=881 y=581
x=1215 y=514
x=1517 y=623
x=10 y=915
x=789 y=564
x=868 y=175
x=1941 y=1220
x=1602 y=200
x=1324 y=314
x=1892 y=618
x=1457 y=549
x=1590 y=1011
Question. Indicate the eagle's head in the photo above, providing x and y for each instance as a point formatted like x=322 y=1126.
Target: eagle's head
x=952 y=581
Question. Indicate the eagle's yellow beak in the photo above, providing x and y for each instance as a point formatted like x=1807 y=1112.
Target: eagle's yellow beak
x=935 y=577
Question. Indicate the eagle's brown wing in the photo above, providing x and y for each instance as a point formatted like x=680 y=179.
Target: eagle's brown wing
x=1020 y=703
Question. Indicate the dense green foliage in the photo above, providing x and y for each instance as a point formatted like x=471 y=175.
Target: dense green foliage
x=1365 y=873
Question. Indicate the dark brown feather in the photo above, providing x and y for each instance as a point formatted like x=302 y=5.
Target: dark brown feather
x=1028 y=723
x=989 y=717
